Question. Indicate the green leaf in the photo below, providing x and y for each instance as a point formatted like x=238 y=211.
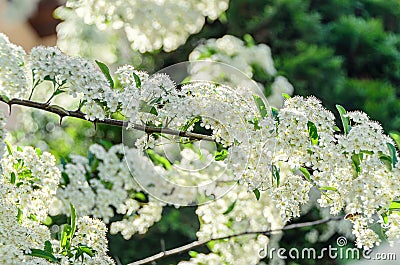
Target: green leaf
x=286 y=96
x=19 y=216
x=312 y=132
x=106 y=72
x=261 y=106
x=249 y=40
x=106 y=144
x=336 y=129
x=9 y=148
x=13 y=178
x=137 y=80
x=230 y=208
x=73 y=220
x=392 y=151
x=144 y=107
x=257 y=193
x=190 y=123
x=394 y=205
x=160 y=160
x=65 y=237
x=325 y=188
x=4 y=98
x=48 y=247
x=38 y=151
x=396 y=138
x=83 y=249
x=276 y=175
x=387 y=160
x=42 y=254
x=356 y=158
x=344 y=118
x=306 y=174
x=193 y=254
x=140 y=196
x=221 y=155
x=48 y=221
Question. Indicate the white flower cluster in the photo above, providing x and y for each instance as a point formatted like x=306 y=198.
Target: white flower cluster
x=36 y=177
x=13 y=79
x=104 y=183
x=28 y=184
x=238 y=211
x=76 y=76
x=150 y=25
x=349 y=169
x=248 y=59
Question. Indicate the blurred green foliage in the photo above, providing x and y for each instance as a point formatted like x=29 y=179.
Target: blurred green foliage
x=342 y=51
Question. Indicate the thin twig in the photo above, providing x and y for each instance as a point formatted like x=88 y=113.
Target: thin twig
x=199 y=243
x=62 y=112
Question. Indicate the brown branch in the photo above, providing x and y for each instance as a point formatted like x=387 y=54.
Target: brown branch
x=199 y=243
x=62 y=112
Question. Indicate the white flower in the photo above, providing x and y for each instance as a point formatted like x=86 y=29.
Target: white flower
x=13 y=80
x=164 y=24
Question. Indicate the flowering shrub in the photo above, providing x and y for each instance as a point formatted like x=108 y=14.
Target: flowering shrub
x=149 y=25
x=269 y=159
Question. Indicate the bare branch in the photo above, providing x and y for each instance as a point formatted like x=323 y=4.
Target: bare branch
x=62 y=112
x=199 y=243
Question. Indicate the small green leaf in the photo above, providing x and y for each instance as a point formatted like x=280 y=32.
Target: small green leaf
x=48 y=247
x=140 y=196
x=356 y=158
x=159 y=160
x=257 y=193
x=38 y=151
x=105 y=143
x=336 y=129
x=73 y=219
x=286 y=96
x=188 y=124
x=387 y=160
x=106 y=72
x=306 y=174
x=19 y=216
x=137 y=80
x=83 y=249
x=13 y=178
x=144 y=107
x=230 y=208
x=325 y=188
x=193 y=254
x=261 y=106
x=48 y=221
x=65 y=234
x=276 y=175
x=4 y=98
x=344 y=118
x=9 y=148
x=312 y=132
x=394 y=205
x=221 y=155
x=19 y=149
x=42 y=254
x=392 y=151
x=396 y=137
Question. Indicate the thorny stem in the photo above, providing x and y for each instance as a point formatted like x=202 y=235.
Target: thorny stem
x=62 y=112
